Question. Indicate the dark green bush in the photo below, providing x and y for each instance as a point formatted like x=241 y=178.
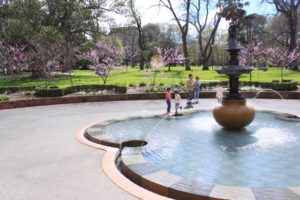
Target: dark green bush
x=55 y=92
x=142 y=84
x=49 y=92
x=132 y=85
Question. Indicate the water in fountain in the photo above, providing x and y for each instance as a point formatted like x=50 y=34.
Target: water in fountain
x=268 y=90
x=263 y=155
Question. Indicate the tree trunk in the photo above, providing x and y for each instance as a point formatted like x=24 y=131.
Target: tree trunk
x=205 y=64
x=186 y=53
x=68 y=57
x=293 y=41
x=142 y=61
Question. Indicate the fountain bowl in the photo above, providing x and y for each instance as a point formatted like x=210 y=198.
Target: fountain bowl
x=233 y=114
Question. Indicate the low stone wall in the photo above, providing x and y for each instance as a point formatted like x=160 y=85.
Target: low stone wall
x=124 y=97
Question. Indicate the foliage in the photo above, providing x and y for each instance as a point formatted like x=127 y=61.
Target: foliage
x=16 y=89
x=170 y=56
x=56 y=92
x=13 y=57
x=255 y=55
x=104 y=58
x=4 y=98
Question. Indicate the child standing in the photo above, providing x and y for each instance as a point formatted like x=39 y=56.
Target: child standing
x=197 y=89
x=168 y=99
x=177 y=102
x=219 y=92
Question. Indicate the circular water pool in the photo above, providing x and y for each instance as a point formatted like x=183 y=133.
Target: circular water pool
x=195 y=147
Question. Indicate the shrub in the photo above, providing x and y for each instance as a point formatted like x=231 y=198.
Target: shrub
x=55 y=92
x=4 y=98
x=49 y=92
x=16 y=89
x=142 y=84
x=274 y=85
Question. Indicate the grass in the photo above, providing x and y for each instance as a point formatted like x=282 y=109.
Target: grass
x=133 y=76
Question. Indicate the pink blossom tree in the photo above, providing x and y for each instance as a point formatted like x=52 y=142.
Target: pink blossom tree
x=255 y=55
x=281 y=57
x=14 y=58
x=170 y=56
x=104 y=57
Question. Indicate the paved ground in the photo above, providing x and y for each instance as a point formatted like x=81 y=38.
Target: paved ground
x=40 y=159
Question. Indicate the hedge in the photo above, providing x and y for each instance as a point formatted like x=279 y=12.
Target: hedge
x=56 y=92
x=279 y=86
x=287 y=85
x=16 y=89
x=49 y=92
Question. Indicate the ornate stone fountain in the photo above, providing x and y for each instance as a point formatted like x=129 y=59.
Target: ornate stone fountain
x=233 y=113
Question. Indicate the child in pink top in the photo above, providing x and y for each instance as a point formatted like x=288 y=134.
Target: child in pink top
x=168 y=99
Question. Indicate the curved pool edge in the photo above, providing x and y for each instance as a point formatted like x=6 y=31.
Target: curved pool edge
x=137 y=184
x=108 y=164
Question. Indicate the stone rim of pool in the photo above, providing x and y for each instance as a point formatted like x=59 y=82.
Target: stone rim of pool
x=169 y=185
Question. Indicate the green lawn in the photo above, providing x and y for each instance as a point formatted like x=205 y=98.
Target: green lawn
x=134 y=76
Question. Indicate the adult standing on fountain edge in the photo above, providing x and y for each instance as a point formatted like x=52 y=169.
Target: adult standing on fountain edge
x=197 y=89
x=190 y=85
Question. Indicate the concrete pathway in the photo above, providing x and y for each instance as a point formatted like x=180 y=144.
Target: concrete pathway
x=40 y=159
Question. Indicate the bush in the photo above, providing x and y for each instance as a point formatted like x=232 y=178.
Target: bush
x=274 y=85
x=142 y=84
x=16 y=89
x=132 y=85
x=49 y=92
x=4 y=98
x=56 y=92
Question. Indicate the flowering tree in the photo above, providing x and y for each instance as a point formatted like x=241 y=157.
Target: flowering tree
x=282 y=57
x=255 y=55
x=13 y=57
x=170 y=56
x=104 y=57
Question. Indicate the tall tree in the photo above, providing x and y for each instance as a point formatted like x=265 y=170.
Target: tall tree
x=183 y=24
x=205 y=47
x=141 y=39
x=75 y=19
x=252 y=28
x=289 y=9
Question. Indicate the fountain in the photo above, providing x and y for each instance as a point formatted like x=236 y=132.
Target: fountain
x=233 y=113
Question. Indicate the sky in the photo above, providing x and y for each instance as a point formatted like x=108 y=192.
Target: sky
x=151 y=13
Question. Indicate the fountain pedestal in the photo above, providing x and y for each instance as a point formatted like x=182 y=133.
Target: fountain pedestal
x=233 y=114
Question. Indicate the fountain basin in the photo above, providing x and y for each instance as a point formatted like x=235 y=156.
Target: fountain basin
x=193 y=158
x=233 y=114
